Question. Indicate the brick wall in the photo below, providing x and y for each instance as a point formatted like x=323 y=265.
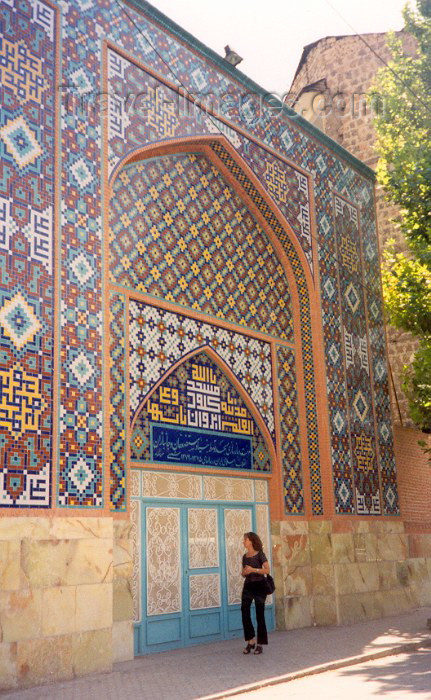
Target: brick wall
x=347 y=67
x=414 y=480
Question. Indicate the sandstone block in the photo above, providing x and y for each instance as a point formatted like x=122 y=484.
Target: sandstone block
x=323 y=580
x=10 y=568
x=8 y=667
x=122 y=641
x=19 y=528
x=320 y=527
x=93 y=607
x=123 y=600
x=343 y=550
x=297 y=612
x=44 y=660
x=321 y=549
x=298 y=581
x=388 y=578
x=295 y=551
x=356 y=607
x=356 y=578
x=324 y=610
x=58 y=610
x=123 y=559
x=392 y=547
x=81 y=528
x=20 y=615
x=92 y=652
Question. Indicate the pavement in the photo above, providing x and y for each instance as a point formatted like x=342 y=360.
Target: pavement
x=219 y=670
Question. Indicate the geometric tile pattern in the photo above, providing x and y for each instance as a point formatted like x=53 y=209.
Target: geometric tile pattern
x=117 y=399
x=293 y=488
x=158 y=338
x=27 y=120
x=198 y=395
x=360 y=413
x=306 y=336
x=28 y=78
x=80 y=473
x=153 y=111
x=179 y=232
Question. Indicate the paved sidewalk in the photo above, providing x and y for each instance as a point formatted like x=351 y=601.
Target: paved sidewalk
x=221 y=670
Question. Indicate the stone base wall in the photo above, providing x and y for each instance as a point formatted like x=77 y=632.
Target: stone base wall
x=325 y=576
x=57 y=579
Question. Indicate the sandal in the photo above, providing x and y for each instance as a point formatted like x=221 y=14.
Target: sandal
x=258 y=650
x=248 y=648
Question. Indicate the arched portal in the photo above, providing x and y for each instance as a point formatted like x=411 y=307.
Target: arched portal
x=206 y=280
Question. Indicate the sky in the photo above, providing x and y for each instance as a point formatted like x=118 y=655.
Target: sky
x=270 y=34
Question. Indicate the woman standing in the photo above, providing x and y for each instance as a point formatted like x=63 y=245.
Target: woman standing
x=254 y=567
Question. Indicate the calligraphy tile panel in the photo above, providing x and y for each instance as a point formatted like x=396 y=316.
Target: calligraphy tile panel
x=197 y=417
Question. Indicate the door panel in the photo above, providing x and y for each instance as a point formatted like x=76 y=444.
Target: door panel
x=191 y=582
x=237 y=521
x=163 y=561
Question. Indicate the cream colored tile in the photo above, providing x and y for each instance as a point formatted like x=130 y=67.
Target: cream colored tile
x=20 y=615
x=58 y=610
x=122 y=641
x=44 y=660
x=122 y=530
x=93 y=607
x=90 y=562
x=92 y=652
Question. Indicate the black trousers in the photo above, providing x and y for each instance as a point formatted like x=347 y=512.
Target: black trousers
x=254 y=591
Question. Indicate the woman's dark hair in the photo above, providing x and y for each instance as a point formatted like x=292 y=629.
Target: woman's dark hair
x=255 y=540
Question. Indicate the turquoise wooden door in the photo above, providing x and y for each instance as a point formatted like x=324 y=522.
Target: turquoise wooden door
x=191 y=583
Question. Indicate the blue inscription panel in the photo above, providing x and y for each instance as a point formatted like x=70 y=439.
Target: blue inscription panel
x=178 y=445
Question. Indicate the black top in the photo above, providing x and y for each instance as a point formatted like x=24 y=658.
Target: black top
x=255 y=562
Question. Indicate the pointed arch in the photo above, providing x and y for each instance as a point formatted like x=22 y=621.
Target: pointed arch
x=232 y=379
x=307 y=318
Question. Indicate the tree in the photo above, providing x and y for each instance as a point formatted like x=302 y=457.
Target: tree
x=403 y=127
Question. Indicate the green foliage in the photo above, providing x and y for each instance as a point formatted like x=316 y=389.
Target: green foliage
x=407 y=293
x=417 y=387
x=403 y=127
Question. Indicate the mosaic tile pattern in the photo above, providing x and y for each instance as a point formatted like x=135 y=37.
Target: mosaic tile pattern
x=27 y=79
x=357 y=368
x=80 y=475
x=118 y=420
x=26 y=217
x=141 y=110
x=293 y=489
x=306 y=335
x=179 y=232
x=159 y=338
x=198 y=395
